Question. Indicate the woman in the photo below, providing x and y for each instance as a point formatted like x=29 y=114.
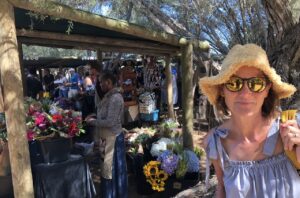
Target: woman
x=247 y=151
x=112 y=147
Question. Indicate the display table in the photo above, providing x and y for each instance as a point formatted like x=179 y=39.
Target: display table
x=71 y=178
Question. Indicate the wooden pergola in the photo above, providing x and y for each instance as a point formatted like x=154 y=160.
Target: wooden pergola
x=89 y=31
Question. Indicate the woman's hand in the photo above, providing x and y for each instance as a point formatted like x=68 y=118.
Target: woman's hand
x=290 y=134
x=90 y=119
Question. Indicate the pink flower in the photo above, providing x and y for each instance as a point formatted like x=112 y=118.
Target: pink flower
x=42 y=126
x=39 y=119
x=30 y=135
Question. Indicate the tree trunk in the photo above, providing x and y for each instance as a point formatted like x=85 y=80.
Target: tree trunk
x=284 y=45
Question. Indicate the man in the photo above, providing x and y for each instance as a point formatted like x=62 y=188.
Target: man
x=34 y=85
x=49 y=81
x=73 y=84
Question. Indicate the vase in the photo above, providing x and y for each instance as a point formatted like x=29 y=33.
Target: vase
x=56 y=150
x=175 y=185
x=35 y=152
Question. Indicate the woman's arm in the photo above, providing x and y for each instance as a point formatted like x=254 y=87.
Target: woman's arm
x=220 y=190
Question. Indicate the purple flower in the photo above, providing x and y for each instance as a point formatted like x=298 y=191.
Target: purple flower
x=168 y=161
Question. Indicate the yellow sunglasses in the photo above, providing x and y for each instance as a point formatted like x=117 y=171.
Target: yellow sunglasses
x=255 y=84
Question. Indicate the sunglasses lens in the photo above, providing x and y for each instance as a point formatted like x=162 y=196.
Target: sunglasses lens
x=257 y=84
x=234 y=84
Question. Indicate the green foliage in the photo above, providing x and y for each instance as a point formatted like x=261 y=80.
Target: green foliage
x=167 y=128
x=46 y=103
x=141 y=138
x=34 y=52
x=70 y=27
x=3 y=130
x=199 y=152
x=182 y=167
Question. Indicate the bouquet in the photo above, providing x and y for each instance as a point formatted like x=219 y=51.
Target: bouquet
x=55 y=122
x=172 y=159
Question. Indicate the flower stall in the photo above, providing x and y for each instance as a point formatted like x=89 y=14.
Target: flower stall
x=160 y=162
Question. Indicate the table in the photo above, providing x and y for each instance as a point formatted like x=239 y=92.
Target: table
x=71 y=178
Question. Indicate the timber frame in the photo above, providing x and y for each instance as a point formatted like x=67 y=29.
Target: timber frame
x=103 y=34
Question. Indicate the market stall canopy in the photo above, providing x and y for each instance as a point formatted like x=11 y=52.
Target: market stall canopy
x=65 y=27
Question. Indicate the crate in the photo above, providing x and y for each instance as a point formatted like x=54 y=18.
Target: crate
x=151 y=117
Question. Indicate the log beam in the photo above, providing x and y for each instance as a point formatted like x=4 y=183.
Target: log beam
x=62 y=11
x=187 y=94
x=84 y=46
x=94 y=40
x=14 y=104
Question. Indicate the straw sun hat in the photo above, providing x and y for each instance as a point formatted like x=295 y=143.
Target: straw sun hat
x=244 y=55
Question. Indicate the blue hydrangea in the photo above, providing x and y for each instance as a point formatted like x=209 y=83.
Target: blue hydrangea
x=192 y=161
x=169 y=161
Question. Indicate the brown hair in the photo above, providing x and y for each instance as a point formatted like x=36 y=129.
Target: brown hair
x=269 y=107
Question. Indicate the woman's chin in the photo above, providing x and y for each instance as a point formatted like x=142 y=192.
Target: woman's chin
x=243 y=112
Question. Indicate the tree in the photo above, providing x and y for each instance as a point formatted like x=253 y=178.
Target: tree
x=284 y=43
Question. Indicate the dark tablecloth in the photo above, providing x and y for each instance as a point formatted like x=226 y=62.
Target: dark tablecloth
x=69 y=179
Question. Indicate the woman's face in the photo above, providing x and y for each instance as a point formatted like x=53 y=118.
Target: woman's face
x=105 y=85
x=246 y=102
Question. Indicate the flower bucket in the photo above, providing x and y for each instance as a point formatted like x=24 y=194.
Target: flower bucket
x=56 y=149
x=174 y=185
x=142 y=186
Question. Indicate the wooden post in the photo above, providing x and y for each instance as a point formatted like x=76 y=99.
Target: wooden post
x=169 y=88
x=187 y=94
x=13 y=102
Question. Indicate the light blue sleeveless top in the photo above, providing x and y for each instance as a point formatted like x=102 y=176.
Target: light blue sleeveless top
x=273 y=177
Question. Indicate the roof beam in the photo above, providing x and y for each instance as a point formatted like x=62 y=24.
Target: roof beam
x=95 y=40
x=84 y=46
x=62 y=11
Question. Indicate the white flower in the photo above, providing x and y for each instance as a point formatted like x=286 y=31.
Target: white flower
x=133 y=137
x=161 y=145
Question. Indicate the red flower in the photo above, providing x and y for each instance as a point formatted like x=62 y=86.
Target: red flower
x=57 y=118
x=73 y=129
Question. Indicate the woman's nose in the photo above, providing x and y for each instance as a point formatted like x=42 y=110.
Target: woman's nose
x=245 y=89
